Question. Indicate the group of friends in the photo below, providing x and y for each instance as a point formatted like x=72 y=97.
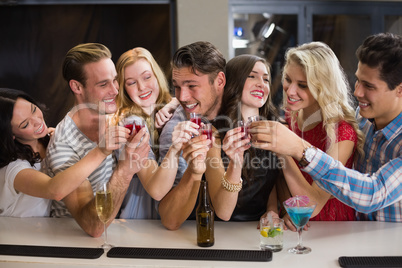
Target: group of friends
x=348 y=161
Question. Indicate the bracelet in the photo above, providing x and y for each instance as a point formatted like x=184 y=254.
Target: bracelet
x=231 y=187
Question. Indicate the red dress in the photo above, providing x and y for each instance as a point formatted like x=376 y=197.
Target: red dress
x=333 y=210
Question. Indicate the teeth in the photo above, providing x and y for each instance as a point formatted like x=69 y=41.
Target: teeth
x=107 y=101
x=363 y=104
x=39 y=129
x=291 y=99
x=256 y=93
x=145 y=95
x=190 y=106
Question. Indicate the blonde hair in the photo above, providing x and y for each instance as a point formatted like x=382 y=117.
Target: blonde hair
x=126 y=106
x=328 y=85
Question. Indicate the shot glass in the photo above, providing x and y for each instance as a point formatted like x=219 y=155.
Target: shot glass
x=139 y=123
x=128 y=122
x=244 y=128
x=196 y=118
x=251 y=119
x=271 y=234
x=206 y=129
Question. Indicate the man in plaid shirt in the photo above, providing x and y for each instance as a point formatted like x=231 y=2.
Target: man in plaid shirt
x=375 y=186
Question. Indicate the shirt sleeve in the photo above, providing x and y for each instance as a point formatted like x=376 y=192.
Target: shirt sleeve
x=364 y=192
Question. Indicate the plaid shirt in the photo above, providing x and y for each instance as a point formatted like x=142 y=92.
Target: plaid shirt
x=376 y=186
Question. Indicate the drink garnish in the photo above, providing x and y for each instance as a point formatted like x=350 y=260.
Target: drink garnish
x=297 y=201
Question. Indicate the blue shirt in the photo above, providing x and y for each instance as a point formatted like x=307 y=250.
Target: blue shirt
x=376 y=185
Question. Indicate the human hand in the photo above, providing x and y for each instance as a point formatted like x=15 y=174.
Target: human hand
x=234 y=145
x=182 y=133
x=163 y=116
x=289 y=224
x=114 y=138
x=50 y=131
x=276 y=137
x=136 y=152
x=272 y=213
x=195 y=153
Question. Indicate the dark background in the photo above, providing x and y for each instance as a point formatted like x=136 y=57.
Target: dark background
x=35 y=38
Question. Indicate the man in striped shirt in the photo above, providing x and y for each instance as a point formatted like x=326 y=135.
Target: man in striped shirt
x=91 y=75
x=375 y=186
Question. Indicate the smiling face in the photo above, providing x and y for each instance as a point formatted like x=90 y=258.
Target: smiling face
x=27 y=123
x=141 y=84
x=195 y=92
x=376 y=100
x=296 y=89
x=256 y=88
x=101 y=85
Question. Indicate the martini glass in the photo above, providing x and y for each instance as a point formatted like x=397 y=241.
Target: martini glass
x=299 y=209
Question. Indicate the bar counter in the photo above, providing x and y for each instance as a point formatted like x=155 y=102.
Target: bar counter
x=328 y=240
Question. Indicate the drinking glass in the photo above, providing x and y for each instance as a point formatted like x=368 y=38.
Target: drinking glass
x=128 y=123
x=206 y=129
x=299 y=209
x=104 y=208
x=139 y=123
x=195 y=118
x=244 y=129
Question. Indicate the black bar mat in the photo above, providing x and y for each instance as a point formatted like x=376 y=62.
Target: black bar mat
x=370 y=261
x=55 y=252
x=190 y=254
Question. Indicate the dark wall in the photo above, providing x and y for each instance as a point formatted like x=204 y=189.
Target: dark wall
x=35 y=38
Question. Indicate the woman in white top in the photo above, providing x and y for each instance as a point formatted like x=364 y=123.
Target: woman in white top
x=24 y=190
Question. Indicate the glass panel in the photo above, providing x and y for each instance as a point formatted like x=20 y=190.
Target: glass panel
x=268 y=36
x=393 y=24
x=343 y=33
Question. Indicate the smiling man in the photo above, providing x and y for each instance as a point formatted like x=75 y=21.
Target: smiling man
x=375 y=186
x=91 y=76
x=198 y=76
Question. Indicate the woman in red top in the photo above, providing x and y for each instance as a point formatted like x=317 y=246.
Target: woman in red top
x=319 y=109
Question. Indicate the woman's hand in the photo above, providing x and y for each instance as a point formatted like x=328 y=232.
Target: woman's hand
x=114 y=138
x=234 y=145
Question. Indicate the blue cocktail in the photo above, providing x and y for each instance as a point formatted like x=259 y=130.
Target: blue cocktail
x=299 y=209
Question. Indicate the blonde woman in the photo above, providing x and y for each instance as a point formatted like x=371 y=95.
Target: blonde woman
x=144 y=91
x=319 y=109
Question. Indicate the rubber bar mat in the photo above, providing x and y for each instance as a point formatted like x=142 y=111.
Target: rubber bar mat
x=56 y=252
x=367 y=261
x=190 y=254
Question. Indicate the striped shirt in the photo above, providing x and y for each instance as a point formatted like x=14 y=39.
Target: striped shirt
x=67 y=146
x=376 y=185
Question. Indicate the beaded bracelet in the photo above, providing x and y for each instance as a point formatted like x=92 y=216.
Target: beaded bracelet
x=231 y=187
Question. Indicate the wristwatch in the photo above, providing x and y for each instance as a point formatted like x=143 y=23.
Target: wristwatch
x=308 y=154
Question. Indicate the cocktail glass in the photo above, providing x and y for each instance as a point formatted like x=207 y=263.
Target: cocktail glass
x=299 y=209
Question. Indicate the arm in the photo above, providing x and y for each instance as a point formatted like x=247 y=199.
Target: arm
x=364 y=192
x=158 y=180
x=81 y=202
x=177 y=205
x=224 y=201
x=298 y=185
x=36 y=183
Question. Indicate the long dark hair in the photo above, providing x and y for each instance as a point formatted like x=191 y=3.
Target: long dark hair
x=10 y=148
x=237 y=71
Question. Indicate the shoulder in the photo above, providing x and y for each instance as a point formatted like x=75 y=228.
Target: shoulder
x=345 y=131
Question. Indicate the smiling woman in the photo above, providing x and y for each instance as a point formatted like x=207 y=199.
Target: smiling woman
x=24 y=190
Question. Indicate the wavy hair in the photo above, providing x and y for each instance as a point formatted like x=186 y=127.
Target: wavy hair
x=10 y=148
x=126 y=106
x=328 y=85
